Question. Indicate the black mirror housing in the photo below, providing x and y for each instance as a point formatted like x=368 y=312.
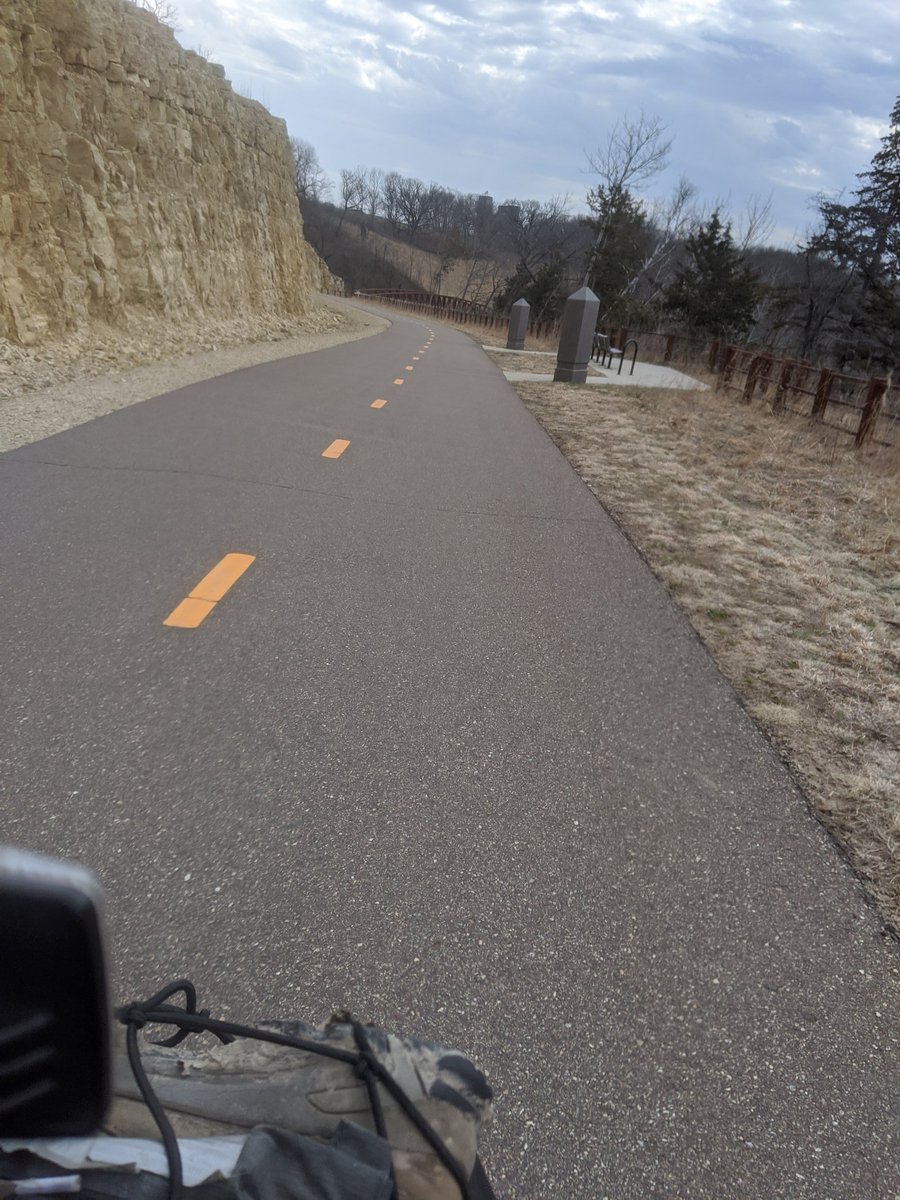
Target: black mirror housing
x=54 y=1005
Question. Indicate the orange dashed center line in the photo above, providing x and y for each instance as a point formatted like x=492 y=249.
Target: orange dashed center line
x=209 y=591
x=378 y=404
x=189 y=614
x=398 y=382
x=336 y=449
x=409 y=367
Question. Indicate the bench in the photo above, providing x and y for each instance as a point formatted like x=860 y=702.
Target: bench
x=605 y=353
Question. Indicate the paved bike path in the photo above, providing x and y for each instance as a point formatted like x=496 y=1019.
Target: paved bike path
x=446 y=754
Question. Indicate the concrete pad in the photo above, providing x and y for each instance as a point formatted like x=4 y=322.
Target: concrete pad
x=645 y=375
x=506 y=350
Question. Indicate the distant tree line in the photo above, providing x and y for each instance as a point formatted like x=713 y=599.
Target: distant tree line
x=655 y=264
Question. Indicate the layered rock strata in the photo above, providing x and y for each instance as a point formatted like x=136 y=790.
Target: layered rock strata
x=134 y=183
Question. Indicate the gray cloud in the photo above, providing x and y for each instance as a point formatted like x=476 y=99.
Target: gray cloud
x=504 y=95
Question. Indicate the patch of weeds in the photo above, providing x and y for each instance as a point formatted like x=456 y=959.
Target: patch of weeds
x=718 y=614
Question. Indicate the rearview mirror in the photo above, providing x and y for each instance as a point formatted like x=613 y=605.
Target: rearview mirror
x=54 y=1006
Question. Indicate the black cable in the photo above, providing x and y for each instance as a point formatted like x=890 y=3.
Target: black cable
x=135 y=1018
x=364 y=1062
x=190 y=1005
x=433 y=1139
x=365 y=1071
x=167 y=1133
x=167 y=1014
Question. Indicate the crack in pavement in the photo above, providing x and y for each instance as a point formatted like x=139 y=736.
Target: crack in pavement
x=290 y=487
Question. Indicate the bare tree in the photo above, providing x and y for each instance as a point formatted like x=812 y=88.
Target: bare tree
x=756 y=224
x=372 y=185
x=164 y=11
x=413 y=202
x=671 y=221
x=538 y=233
x=636 y=150
x=485 y=267
x=353 y=192
x=310 y=180
x=443 y=208
x=390 y=200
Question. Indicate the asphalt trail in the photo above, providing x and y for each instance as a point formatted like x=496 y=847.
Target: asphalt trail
x=445 y=754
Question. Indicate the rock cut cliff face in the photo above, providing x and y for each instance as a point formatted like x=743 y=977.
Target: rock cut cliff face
x=134 y=183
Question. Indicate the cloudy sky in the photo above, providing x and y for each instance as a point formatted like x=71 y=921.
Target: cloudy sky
x=787 y=97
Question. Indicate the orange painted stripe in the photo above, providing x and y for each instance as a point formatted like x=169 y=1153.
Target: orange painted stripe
x=378 y=404
x=336 y=449
x=398 y=382
x=202 y=599
x=189 y=614
x=409 y=367
x=213 y=586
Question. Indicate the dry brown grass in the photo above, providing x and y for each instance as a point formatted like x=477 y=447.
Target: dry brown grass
x=535 y=364
x=780 y=543
x=494 y=337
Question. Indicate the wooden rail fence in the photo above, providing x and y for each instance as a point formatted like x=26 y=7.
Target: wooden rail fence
x=867 y=409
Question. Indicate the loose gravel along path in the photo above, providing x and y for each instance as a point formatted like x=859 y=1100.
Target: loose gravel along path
x=78 y=393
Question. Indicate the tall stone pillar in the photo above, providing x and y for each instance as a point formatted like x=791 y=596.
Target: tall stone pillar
x=576 y=337
x=518 y=325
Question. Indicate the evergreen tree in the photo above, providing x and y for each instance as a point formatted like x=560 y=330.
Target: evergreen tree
x=878 y=214
x=863 y=239
x=621 y=245
x=545 y=290
x=714 y=291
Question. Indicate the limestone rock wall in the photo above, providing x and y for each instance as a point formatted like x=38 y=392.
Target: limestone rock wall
x=134 y=181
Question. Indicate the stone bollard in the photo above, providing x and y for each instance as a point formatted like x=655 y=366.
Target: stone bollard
x=576 y=337
x=518 y=325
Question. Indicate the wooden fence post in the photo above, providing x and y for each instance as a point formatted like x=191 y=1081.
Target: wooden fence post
x=670 y=346
x=784 y=382
x=753 y=373
x=869 y=418
x=801 y=374
x=765 y=373
x=714 y=354
x=727 y=367
x=823 y=389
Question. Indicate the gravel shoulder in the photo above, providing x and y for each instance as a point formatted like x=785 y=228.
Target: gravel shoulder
x=45 y=392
